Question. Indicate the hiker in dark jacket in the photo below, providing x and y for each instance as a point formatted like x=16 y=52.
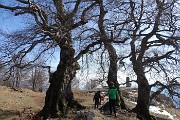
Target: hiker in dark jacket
x=97 y=99
x=113 y=93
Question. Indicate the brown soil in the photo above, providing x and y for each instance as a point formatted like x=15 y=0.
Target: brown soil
x=21 y=103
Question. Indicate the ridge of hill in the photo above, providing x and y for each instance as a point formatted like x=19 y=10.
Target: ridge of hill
x=24 y=102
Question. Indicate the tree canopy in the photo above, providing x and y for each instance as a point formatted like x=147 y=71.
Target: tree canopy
x=140 y=36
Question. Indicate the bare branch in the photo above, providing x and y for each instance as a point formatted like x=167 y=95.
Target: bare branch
x=87 y=49
x=83 y=19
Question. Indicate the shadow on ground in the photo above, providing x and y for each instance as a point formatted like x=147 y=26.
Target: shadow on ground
x=5 y=113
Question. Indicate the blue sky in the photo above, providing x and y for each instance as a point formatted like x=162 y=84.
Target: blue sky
x=10 y=23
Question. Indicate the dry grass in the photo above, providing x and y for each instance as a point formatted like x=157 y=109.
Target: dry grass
x=175 y=112
x=84 y=97
x=13 y=101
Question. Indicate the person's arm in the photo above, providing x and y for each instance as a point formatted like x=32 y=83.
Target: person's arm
x=117 y=94
x=100 y=98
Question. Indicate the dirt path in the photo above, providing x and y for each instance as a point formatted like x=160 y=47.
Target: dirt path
x=95 y=114
x=86 y=99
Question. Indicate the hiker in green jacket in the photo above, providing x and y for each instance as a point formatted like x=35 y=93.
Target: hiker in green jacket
x=113 y=93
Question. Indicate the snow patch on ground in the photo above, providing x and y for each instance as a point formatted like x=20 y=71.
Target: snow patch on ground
x=158 y=110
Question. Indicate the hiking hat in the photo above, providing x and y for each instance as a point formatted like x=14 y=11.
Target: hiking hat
x=111 y=83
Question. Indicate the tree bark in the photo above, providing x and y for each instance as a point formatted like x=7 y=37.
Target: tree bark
x=143 y=101
x=59 y=96
x=112 y=74
x=142 y=107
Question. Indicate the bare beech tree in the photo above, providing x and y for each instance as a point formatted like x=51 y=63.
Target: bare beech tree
x=38 y=77
x=79 y=27
x=154 y=40
x=52 y=28
x=108 y=40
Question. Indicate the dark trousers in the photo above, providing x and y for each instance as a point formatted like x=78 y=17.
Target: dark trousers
x=112 y=105
x=96 y=103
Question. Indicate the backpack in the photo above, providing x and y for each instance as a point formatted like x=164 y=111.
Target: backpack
x=97 y=96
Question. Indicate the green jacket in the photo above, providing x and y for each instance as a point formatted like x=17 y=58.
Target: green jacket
x=112 y=92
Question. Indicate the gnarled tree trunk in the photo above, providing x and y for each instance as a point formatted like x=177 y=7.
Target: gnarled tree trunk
x=142 y=107
x=112 y=74
x=59 y=96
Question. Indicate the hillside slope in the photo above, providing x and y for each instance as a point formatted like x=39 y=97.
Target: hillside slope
x=13 y=102
x=24 y=103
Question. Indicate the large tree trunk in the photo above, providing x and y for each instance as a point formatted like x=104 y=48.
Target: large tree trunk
x=59 y=96
x=142 y=107
x=112 y=74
